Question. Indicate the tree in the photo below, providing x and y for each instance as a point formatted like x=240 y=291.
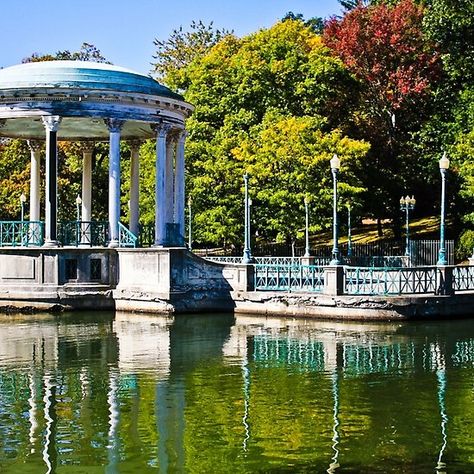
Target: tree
x=396 y=65
x=450 y=23
x=279 y=86
x=87 y=52
x=316 y=23
x=174 y=54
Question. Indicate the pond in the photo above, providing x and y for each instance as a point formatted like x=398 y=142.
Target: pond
x=128 y=393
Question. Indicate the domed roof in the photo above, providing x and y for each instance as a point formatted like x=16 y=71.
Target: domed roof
x=78 y=75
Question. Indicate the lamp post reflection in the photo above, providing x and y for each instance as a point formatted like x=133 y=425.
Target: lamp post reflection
x=441 y=376
x=335 y=427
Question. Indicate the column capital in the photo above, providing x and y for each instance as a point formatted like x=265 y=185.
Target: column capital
x=114 y=125
x=34 y=145
x=87 y=147
x=161 y=129
x=182 y=135
x=135 y=144
x=51 y=122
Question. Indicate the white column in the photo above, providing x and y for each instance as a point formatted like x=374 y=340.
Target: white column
x=35 y=147
x=169 y=176
x=162 y=202
x=134 y=186
x=179 y=201
x=114 y=126
x=86 y=211
x=51 y=124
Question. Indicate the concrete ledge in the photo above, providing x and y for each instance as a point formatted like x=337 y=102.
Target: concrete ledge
x=354 y=307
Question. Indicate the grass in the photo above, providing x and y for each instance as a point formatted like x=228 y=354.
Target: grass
x=421 y=228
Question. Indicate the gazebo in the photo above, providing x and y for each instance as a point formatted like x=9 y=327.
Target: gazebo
x=42 y=268
x=87 y=102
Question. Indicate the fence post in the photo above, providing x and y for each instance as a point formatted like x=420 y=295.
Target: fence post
x=444 y=280
x=334 y=280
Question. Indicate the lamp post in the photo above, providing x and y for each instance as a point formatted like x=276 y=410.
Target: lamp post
x=443 y=168
x=407 y=204
x=349 y=231
x=78 y=205
x=306 y=210
x=247 y=256
x=22 y=207
x=335 y=165
x=190 y=220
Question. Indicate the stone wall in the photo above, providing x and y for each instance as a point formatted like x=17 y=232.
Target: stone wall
x=169 y=280
x=70 y=277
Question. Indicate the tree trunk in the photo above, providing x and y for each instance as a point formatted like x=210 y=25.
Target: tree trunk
x=379 y=227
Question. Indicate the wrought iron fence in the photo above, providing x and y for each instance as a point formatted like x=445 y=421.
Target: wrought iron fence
x=463 y=278
x=21 y=233
x=289 y=278
x=87 y=233
x=390 y=281
x=126 y=237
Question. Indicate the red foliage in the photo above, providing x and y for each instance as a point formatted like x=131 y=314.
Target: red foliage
x=385 y=48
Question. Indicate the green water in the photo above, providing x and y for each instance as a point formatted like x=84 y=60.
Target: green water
x=93 y=393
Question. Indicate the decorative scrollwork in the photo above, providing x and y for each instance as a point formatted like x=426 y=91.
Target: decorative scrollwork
x=114 y=125
x=51 y=122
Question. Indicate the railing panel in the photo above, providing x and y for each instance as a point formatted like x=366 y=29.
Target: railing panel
x=85 y=233
x=292 y=261
x=289 y=278
x=21 y=233
x=126 y=237
x=463 y=278
x=389 y=281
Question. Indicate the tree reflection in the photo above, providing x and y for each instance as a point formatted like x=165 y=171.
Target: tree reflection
x=225 y=394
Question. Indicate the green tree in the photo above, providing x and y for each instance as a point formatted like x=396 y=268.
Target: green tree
x=87 y=52
x=176 y=53
x=247 y=92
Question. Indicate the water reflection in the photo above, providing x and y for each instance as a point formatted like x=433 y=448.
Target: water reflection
x=217 y=394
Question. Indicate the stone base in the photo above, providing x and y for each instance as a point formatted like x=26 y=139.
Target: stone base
x=354 y=307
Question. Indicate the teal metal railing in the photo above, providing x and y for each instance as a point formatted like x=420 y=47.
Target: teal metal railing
x=146 y=235
x=126 y=237
x=289 y=278
x=291 y=261
x=21 y=233
x=84 y=233
x=390 y=281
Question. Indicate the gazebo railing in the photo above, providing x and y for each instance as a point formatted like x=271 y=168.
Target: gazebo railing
x=146 y=235
x=126 y=237
x=86 y=233
x=21 y=233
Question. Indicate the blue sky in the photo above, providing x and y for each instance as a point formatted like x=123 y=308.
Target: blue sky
x=124 y=29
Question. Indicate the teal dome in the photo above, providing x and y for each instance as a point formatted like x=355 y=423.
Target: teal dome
x=77 y=75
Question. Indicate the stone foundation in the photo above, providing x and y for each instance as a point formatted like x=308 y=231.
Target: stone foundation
x=173 y=280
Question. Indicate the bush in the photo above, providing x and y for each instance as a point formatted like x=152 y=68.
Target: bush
x=465 y=246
